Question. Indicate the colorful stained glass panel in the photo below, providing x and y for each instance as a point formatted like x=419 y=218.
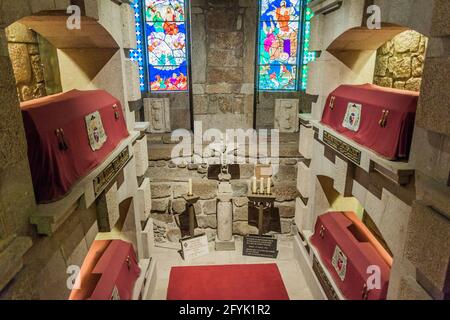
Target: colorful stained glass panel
x=280 y=10
x=164 y=10
x=166 y=43
x=168 y=78
x=278 y=42
x=277 y=77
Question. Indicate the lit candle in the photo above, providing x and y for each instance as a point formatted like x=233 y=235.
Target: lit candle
x=269 y=182
x=261 y=187
x=190 y=193
x=254 y=185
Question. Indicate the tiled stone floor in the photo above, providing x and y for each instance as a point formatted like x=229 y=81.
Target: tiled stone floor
x=290 y=271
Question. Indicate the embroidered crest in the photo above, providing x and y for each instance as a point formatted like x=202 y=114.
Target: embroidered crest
x=95 y=130
x=339 y=262
x=352 y=118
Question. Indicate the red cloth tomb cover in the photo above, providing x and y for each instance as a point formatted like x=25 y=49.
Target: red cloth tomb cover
x=350 y=257
x=382 y=119
x=68 y=136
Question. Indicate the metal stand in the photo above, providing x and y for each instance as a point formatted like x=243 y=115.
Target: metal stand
x=190 y=201
x=262 y=201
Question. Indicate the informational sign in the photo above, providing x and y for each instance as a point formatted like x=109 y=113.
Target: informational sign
x=260 y=246
x=194 y=247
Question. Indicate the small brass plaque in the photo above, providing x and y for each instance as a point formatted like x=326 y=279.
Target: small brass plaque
x=342 y=147
x=106 y=176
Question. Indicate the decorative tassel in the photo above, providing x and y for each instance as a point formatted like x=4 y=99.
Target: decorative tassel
x=333 y=98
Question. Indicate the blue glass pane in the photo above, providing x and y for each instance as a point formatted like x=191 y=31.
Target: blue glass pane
x=164 y=10
x=277 y=77
x=280 y=10
x=168 y=78
x=278 y=42
x=166 y=43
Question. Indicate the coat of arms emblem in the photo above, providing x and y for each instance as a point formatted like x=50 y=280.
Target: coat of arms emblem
x=352 y=118
x=96 y=132
x=339 y=262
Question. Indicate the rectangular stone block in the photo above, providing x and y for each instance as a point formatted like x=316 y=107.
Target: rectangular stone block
x=304 y=180
x=132 y=80
x=144 y=198
x=148 y=240
x=306 y=141
x=302 y=215
x=286 y=115
x=140 y=150
x=157 y=113
x=128 y=26
x=428 y=247
x=108 y=209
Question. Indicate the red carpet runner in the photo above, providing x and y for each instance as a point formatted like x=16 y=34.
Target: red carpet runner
x=230 y=282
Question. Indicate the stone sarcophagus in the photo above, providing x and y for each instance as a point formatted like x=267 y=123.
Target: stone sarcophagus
x=156 y=112
x=286 y=115
x=358 y=265
x=381 y=119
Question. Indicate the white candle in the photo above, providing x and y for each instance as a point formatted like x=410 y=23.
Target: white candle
x=261 y=186
x=269 y=182
x=190 y=193
x=254 y=185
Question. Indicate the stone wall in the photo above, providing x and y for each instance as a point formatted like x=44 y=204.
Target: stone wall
x=24 y=52
x=223 y=61
x=170 y=183
x=29 y=69
x=400 y=61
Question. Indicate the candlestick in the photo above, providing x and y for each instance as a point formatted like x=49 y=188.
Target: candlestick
x=254 y=185
x=261 y=187
x=269 y=184
x=190 y=193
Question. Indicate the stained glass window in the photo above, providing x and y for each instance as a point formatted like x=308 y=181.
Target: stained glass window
x=163 y=31
x=282 y=34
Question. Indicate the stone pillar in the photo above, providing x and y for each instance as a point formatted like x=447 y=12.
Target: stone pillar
x=224 y=218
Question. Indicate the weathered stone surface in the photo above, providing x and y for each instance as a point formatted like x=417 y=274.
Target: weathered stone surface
x=229 y=40
x=246 y=171
x=178 y=206
x=207 y=221
x=407 y=41
x=172 y=175
x=413 y=84
x=180 y=190
x=383 y=82
x=428 y=244
x=210 y=206
x=417 y=66
x=286 y=173
x=243 y=228
x=290 y=162
x=240 y=213
x=160 y=205
x=399 y=85
x=400 y=67
x=205 y=189
x=285 y=191
x=18 y=32
x=287 y=210
x=223 y=58
x=21 y=62
x=381 y=66
x=162 y=217
x=221 y=19
x=200 y=104
x=36 y=65
x=229 y=75
x=286 y=225
x=160 y=190
x=240 y=188
x=192 y=166
x=240 y=202
x=409 y=289
x=210 y=233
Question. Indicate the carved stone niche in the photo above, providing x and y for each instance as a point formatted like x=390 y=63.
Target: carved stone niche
x=286 y=115
x=156 y=112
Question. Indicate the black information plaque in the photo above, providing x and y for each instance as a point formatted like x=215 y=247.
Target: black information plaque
x=260 y=246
